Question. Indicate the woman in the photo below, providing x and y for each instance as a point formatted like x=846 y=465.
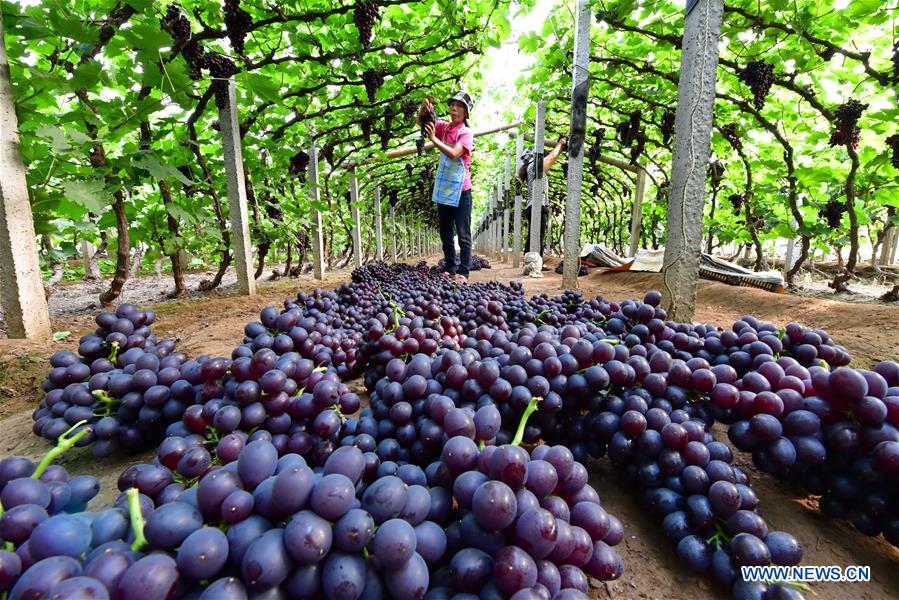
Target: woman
x=528 y=172
x=452 y=182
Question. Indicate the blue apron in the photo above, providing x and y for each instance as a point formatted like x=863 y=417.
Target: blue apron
x=448 y=180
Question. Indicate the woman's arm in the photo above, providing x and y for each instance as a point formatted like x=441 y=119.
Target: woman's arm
x=453 y=152
x=553 y=155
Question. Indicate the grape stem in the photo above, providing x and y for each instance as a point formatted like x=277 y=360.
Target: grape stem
x=137 y=519
x=63 y=443
x=113 y=352
x=519 y=433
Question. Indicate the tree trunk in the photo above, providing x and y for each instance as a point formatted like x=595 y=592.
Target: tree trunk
x=174 y=257
x=123 y=251
x=839 y=281
x=289 y=260
x=262 y=251
x=708 y=245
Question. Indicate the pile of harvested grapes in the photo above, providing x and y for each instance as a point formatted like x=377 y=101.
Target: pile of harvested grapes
x=465 y=474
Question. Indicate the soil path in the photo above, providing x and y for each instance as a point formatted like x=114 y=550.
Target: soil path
x=214 y=324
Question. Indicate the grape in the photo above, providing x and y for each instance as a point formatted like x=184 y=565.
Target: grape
x=470 y=569
x=410 y=581
x=266 y=562
x=153 y=576
x=203 y=554
x=343 y=576
x=514 y=569
x=394 y=543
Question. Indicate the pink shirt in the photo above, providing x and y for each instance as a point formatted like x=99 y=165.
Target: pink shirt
x=459 y=134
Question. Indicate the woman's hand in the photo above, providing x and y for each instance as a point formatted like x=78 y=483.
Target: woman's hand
x=426 y=106
x=430 y=129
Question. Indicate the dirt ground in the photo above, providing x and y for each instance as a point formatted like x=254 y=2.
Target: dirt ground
x=214 y=324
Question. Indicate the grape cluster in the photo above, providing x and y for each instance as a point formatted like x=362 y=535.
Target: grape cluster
x=299 y=165
x=373 y=80
x=327 y=152
x=118 y=383
x=365 y=13
x=893 y=143
x=759 y=76
x=272 y=479
x=666 y=126
x=846 y=130
x=638 y=147
x=895 y=60
x=221 y=69
x=237 y=24
x=716 y=172
x=628 y=129
x=732 y=136
x=736 y=201
x=176 y=23
x=366 y=125
x=581 y=269
x=426 y=116
x=833 y=213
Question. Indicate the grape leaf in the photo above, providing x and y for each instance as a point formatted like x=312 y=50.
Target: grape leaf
x=90 y=194
x=160 y=170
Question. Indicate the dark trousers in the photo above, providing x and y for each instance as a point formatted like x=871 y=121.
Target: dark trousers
x=544 y=218
x=456 y=220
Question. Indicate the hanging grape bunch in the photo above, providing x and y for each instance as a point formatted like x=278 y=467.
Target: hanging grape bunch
x=364 y=16
x=893 y=143
x=426 y=173
x=237 y=23
x=759 y=76
x=756 y=223
x=627 y=130
x=425 y=116
x=847 y=131
x=737 y=201
x=732 y=136
x=833 y=213
x=327 y=152
x=896 y=62
x=393 y=196
x=373 y=80
x=666 y=126
x=384 y=134
x=366 y=124
x=409 y=170
x=221 y=68
x=299 y=164
x=637 y=149
x=594 y=151
x=409 y=109
x=178 y=27
x=716 y=173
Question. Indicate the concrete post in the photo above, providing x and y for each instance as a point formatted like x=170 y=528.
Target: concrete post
x=637 y=212
x=516 y=227
x=406 y=237
x=357 y=227
x=379 y=237
x=394 y=235
x=229 y=127
x=692 y=138
x=580 y=89
x=536 y=190
x=22 y=291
